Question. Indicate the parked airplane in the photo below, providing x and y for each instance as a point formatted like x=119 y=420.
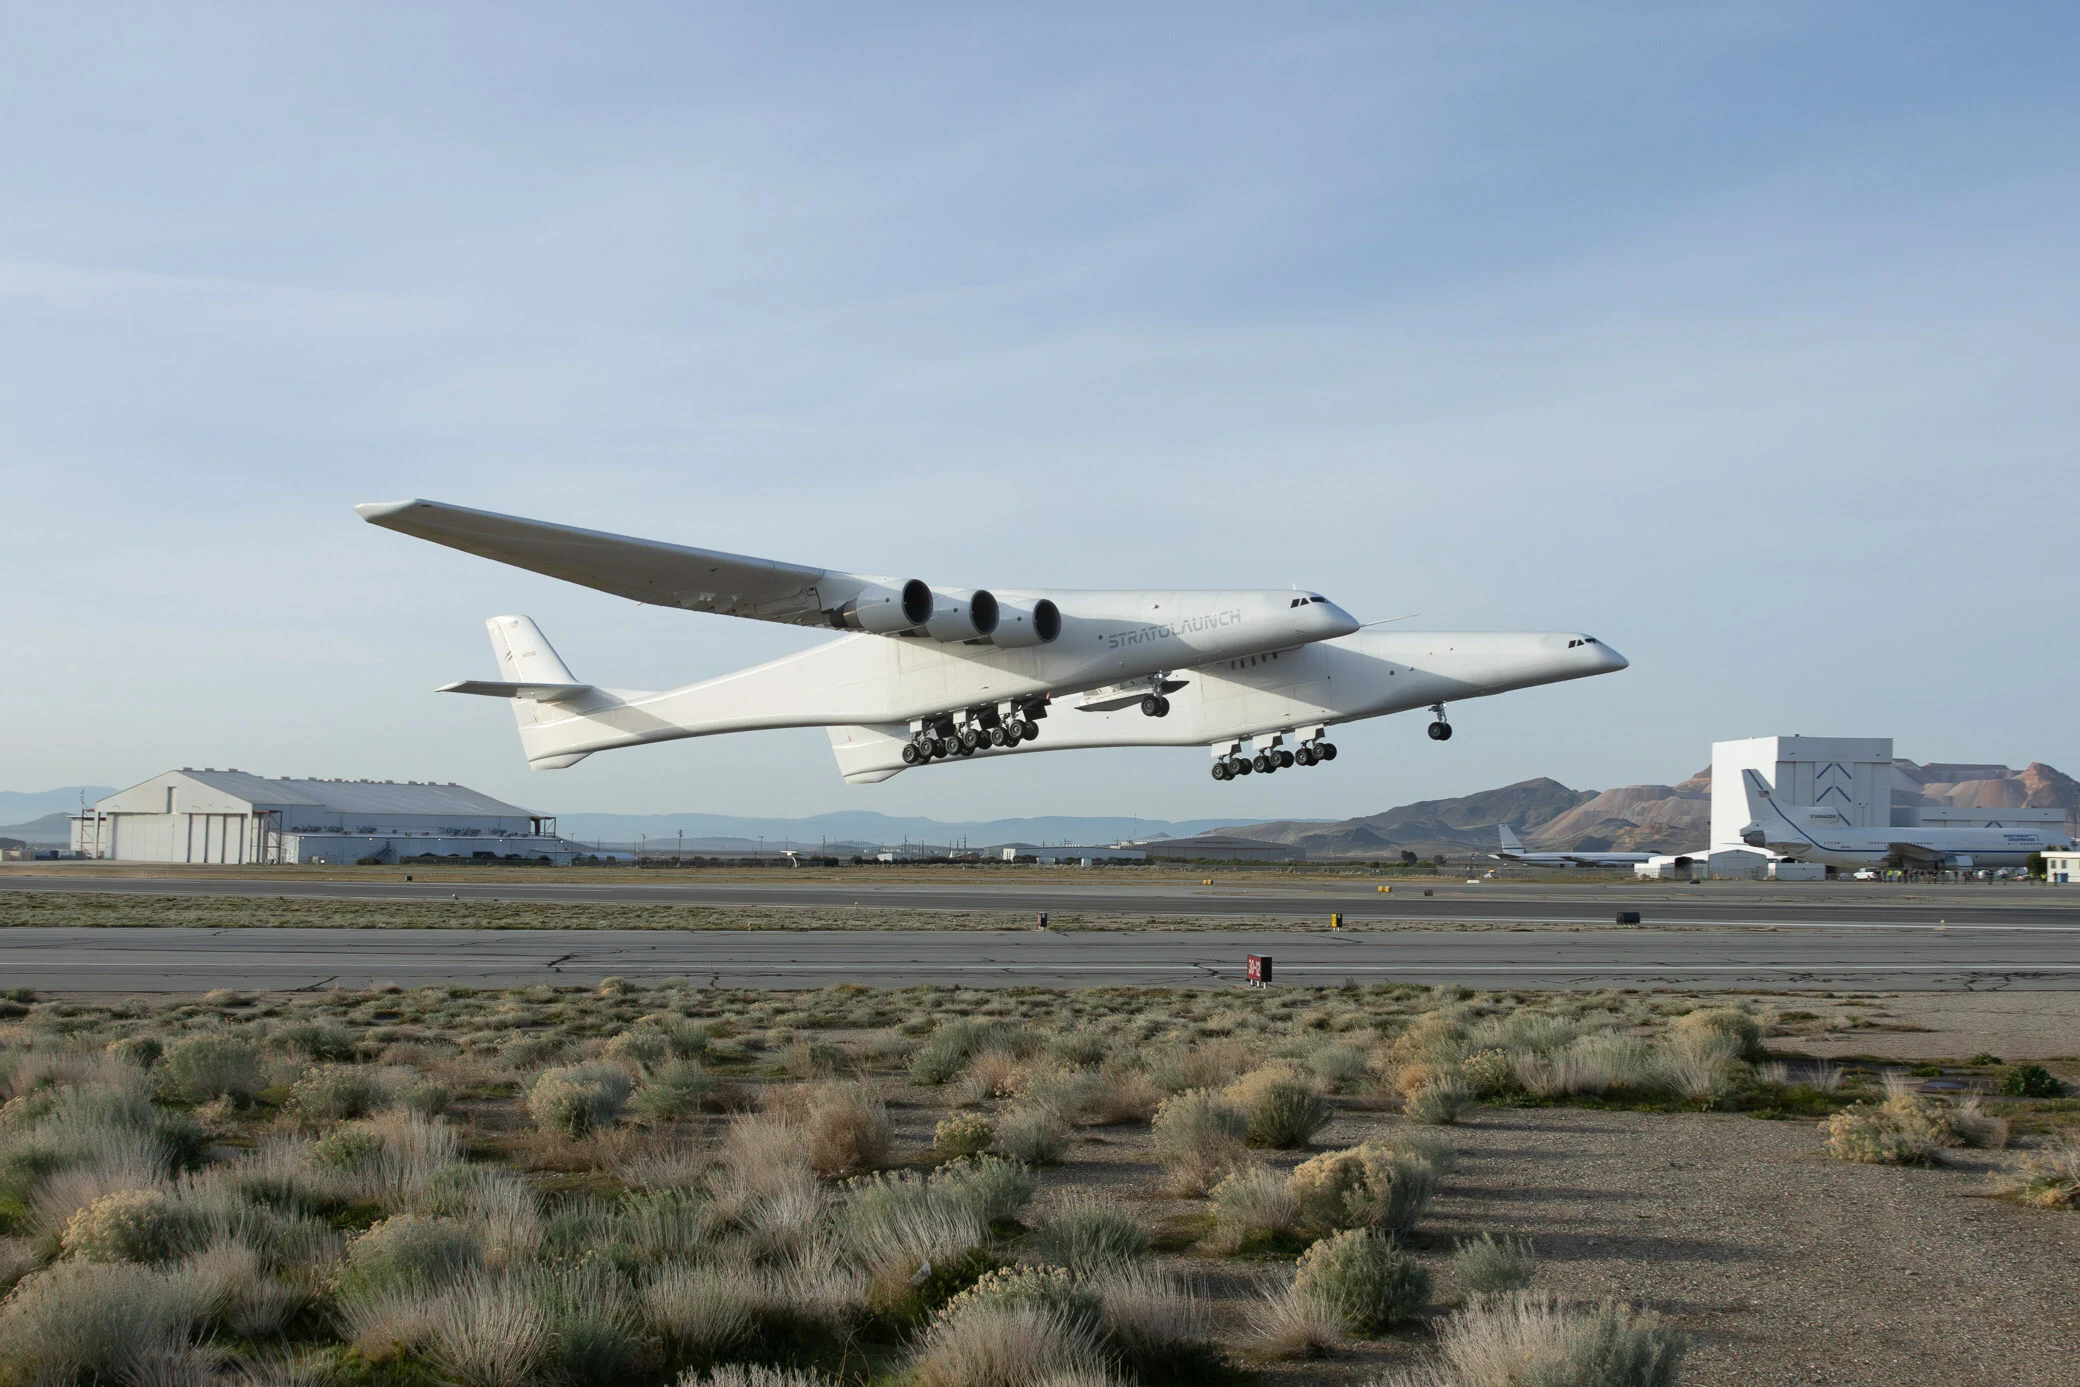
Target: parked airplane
x=929 y=673
x=1819 y=834
x=1515 y=851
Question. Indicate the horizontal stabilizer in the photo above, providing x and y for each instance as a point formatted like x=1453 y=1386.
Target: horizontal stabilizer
x=540 y=693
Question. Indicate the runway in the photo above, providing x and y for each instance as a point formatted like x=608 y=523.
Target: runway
x=125 y=960
x=1070 y=892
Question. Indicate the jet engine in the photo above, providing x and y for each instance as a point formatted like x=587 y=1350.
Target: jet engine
x=886 y=610
x=1023 y=622
x=961 y=615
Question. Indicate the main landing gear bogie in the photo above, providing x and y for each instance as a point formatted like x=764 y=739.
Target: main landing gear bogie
x=1273 y=759
x=978 y=730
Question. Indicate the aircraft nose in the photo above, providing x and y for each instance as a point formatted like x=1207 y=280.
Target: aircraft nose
x=1335 y=621
x=1612 y=660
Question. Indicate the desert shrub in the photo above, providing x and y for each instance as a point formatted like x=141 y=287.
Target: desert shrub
x=1087 y=1232
x=141 y=1050
x=128 y=1226
x=1083 y=1049
x=528 y=1051
x=1364 y=1187
x=1006 y=1346
x=700 y=1310
x=1044 y=1288
x=578 y=1098
x=1074 y=1095
x=638 y=1045
x=1597 y=1064
x=1284 y=1323
x=1034 y=1136
x=1735 y=1025
x=898 y=1229
x=2049 y=1178
x=1489 y=1072
x=1529 y=1338
x=314 y=1040
x=231 y=1290
x=335 y=1094
x=1341 y=1067
x=82 y=1321
x=1161 y=1331
x=595 y=1334
x=946 y=1052
x=203 y=1067
x=490 y=1333
x=1863 y=1132
x=2030 y=1081
x=1438 y=1103
x=964 y=1134
x=1486 y=1266
x=426 y=1097
x=410 y=1250
x=847 y=1130
x=675 y=1089
x=1252 y=1206
x=751 y=1375
x=1365 y=1277
x=1198 y=1136
x=997 y=1190
x=1282 y=1109
x=812 y=1059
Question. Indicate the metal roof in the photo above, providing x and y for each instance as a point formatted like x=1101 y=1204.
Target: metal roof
x=360 y=796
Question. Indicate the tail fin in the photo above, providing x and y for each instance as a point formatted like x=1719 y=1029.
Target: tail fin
x=524 y=653
x=1509 y=840
x=1759 y=792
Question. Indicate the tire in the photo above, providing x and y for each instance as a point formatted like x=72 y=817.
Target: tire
x=1241 y=765
x=1438 y=732
x=1221 y=771
x=1162 y=706
x=1304 y=757
x=938 y=747
x=1151 y=706
x=910 y=753
x=1327 y=751
x=1032 y=733
x=1262 y=763
x=1446 y=734
x=999 y=737
x=1285 y=758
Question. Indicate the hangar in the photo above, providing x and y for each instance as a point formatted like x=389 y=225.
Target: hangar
x=234 y=816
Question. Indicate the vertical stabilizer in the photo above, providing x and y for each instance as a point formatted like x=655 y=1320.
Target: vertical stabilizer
x=1509 y=840
x=524 y=653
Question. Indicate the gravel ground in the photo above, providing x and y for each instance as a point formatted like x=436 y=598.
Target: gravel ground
x=1784 y=1266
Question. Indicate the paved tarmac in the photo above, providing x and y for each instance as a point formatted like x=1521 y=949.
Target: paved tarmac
x=124 y=960
x=1715 y=904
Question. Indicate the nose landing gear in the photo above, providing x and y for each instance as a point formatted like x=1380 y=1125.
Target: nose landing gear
x=1440 y=730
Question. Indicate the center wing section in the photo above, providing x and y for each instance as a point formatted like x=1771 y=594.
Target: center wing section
x=664 y=575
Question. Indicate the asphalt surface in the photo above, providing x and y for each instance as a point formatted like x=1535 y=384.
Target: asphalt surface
x=1715 y=904
x=124 y=960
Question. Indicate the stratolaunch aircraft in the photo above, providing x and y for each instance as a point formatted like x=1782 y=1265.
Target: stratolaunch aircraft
x=925 y=673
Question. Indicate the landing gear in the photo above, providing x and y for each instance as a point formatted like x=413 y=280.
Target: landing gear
x=967 y=731
x=1440 y=730
x=1155 y=706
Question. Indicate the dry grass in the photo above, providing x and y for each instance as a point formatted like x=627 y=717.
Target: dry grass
x=1285 y=1323
x=2048 y=1178
x=1514 y=1340
x=1199 y=1138
x=1006 y=1346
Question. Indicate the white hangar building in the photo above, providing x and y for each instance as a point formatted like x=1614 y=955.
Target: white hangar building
x=233 y=816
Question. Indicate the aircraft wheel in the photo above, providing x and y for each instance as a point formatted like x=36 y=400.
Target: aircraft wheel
x=1327 y=751
x=1285 y=758
x=938 y=747
x=1032 y=733
x=1304 y=757
x=1162 y=706
x=1261 y=762
x=1440 y=731
x=999 y=737
x=909 y=753
x=1149 y=706
x=1240 y=766
x=1221 y=771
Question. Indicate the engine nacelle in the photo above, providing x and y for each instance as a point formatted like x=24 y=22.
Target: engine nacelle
x=1023 y=622
x=885 y=610
x=961 y=615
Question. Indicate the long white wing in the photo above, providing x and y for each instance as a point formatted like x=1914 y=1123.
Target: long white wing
x=644 y=570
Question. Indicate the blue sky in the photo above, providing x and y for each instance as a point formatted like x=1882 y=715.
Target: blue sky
x=1743 y=337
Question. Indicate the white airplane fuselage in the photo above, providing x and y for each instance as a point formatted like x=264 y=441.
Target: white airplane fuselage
x=1818 y=834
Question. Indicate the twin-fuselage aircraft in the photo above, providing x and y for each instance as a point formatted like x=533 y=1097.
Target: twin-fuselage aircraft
x=926 y=673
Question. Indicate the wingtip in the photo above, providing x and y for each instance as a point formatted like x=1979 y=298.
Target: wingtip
x=376 y=512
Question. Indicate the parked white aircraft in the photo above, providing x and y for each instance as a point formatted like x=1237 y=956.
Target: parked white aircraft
x=1819 y=834
x=937 y=672
x=1514 y=850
